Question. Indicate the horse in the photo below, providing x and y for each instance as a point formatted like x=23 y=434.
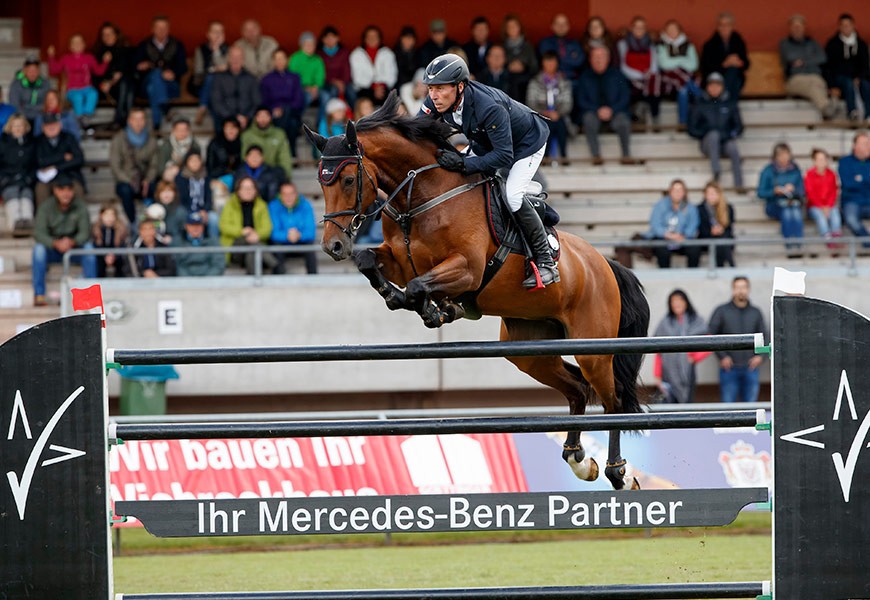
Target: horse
x=435 y=253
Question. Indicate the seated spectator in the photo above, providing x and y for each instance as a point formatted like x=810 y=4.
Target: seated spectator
x=17 y=174
x=109 y=232
x=245 y=221
x=172 y=150
x=373 y=66
x=496 y=74
x=437 y=44
x=363 y=108
x=678 y=61
x=116 y=84
x=224 y=154
x=638 y=61
x=271 y=140
x=725 y=53
x=716 y=221
x=68 y=121
x=570 y=53
x=154 y=265
x=336 y=59
x=820 y=184
x=336 y=119
x=28 y=89
x=210 y=58
x=522 y=63
x=267 y=178
x=802 y=60
x=715 y=120
x=171 y=220
x=414 y=92
x=407 y=55
x=258 y=48
x=62 y=223
x=161 y=62
x=292 y=224
x=79 y=67
x=676 y=371
x=477 y=47
x=550 y=95
x=133 y=160
x=6 y=110
x=848 y=66
x=675 y=220
x=854 y=173
x=57 y=152
x=306 y=63
x=597 y=34
x=781 y=186
x=194 y=191
x=197 y=264
x=281 y=92
x=604 y=98
x=235 y=92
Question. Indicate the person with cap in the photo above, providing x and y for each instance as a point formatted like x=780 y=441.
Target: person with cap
x=133 y=160
x=197 y=264
x=714 y=120
x=234 y=92
x=161 y=61
x=281 y=92
x=504 y=135
x=373 y=66
x=173 y=149
x=336 y=59
x=28 y=89
x=258 y=48
x=271 y=140
x=306 y=63
x=17 y=174
x=407 y=55
x=437 y=44
x=62 y=223
x=57 y=152
x=292 y=225
x=725 y=53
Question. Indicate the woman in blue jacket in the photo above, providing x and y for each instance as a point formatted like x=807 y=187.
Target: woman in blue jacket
x=675 y=220
x=781 y=186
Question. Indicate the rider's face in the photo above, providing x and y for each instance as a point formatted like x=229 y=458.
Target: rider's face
x=443 y=96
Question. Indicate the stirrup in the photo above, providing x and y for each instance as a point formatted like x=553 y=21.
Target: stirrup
x=541 y=276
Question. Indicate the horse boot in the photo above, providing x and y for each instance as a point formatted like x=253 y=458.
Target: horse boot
x=544 y=269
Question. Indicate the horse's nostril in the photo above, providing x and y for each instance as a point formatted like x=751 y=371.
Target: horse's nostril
x=337 y=248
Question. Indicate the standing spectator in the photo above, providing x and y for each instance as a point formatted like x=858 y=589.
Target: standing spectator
x=802 y=60
x=6 y=110
x=268 y=179
x=495 y=74
x=224 y=153
x=716 y=221
x=596 y=34
x=848 y=66
x=57 y=152
x=373 y=66
x=638 y=61
x=725 y=53
x=781 y=186
x=154 y=265
x=245 y=221
x=197 y=264
x=133 y=160
x=437 y=44
x=715 y=120
x=281 y=92
x=335 y=122
x=62 y=224
x=258 y=48
x=677 y=370
x=292 y=224
x=235 y=92
x=306 y=63
x=414 y=92
x=678 y=61
x=604 y=98
x=738 y=369
x=336 y=59
x=28 y=89
x=855 y=181
x=820 y=184
x=570 y=53
x=172 y=150
x=522 y=63
x=550 y=95
x=675 y=220
x=116 y=84
x=271 y=140
x=161 y=62
x=194 y=191
x=477 y=47
x=407 y=55
x=109 y=232
x=68 y=121
x=79 y=67
x=17 y=169
x=211 y=57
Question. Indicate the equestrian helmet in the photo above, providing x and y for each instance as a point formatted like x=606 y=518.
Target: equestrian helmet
x=446 y=69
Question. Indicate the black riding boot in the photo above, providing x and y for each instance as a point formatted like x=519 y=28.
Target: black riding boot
x=533 y=230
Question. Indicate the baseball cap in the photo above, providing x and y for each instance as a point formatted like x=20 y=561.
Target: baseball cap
x=194 y=218
x=437 y=25
x=31 y=59
x=715 y=77
x=62 y=180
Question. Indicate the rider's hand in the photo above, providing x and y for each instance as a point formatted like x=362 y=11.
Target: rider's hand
x=451 y=161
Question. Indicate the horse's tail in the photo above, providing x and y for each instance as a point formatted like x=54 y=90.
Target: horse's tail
x=633 y=322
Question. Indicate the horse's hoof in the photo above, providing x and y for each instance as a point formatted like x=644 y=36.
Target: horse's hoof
x=616 y=475
x=585 y=468
x=433 y=318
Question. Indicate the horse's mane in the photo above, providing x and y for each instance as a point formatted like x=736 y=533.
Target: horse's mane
x=412 y=128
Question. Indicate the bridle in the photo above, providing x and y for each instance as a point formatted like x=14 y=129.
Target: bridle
x=328 y=177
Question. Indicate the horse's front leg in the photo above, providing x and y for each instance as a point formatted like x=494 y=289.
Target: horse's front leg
x=381 y=269
x=448 y=279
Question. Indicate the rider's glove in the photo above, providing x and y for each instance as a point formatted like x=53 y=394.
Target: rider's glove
x=451 y=161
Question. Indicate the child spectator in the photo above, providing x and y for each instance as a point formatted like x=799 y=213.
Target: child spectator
x=161 y=61
x=28 y=89
x=716 y=221
x=675 y=220
x=109 y=232
x=17 y=174
x=245 y=221
x=373 y=66
x=781 y=186
x=154 y=265
x=116 y=83
x=209 y=58
x=172 y=150
x=522 y=63
x=336 y=59
x=68 y=121
x=197 y=264
x=678 y=61
x=638 y=61
x=79 y=67
x=335 y=122
x=715 y=121
x=57 y=152
x=271 y=140
x=171 y=222
x=292 y=224
x=267 y=178
x=550 y=95
x=194 y=191
x=281 y=92
x=820 y=184
x=676 y=371
x=133 y=160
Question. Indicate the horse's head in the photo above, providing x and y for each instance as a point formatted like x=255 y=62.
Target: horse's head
x=348 y=188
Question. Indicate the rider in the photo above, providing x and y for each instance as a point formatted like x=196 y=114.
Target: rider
x=504 y=134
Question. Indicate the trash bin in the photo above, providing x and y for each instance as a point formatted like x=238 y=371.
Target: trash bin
x=143 y=389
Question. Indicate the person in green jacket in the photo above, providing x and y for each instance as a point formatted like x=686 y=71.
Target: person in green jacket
x=310 y=67
x=272 y=140
x=245 y=221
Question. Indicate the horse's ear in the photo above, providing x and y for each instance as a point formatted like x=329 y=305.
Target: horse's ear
x=316 y=139
x=350 y=134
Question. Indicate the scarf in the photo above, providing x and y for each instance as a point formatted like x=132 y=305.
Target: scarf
x=137 y=140
x=330 y=51
x=516 y=44
x=638 y=44
x=197 y=194
x=372 y=52
x=255 y=173
x=179 y=149
x=850 y=45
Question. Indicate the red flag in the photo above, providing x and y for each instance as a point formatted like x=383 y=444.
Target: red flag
x=87 y=298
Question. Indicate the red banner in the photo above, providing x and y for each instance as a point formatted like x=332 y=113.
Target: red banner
x=299 y=467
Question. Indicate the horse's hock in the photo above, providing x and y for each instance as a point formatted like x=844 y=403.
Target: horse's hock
x=54 y=508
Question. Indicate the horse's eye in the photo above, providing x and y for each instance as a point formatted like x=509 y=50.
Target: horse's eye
x=348 y=181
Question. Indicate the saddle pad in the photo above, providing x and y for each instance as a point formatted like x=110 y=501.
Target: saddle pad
x=500 y=221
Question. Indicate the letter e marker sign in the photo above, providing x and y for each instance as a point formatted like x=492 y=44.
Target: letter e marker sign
x=169 y=317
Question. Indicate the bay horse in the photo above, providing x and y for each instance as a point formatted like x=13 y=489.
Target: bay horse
x=437 y=249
